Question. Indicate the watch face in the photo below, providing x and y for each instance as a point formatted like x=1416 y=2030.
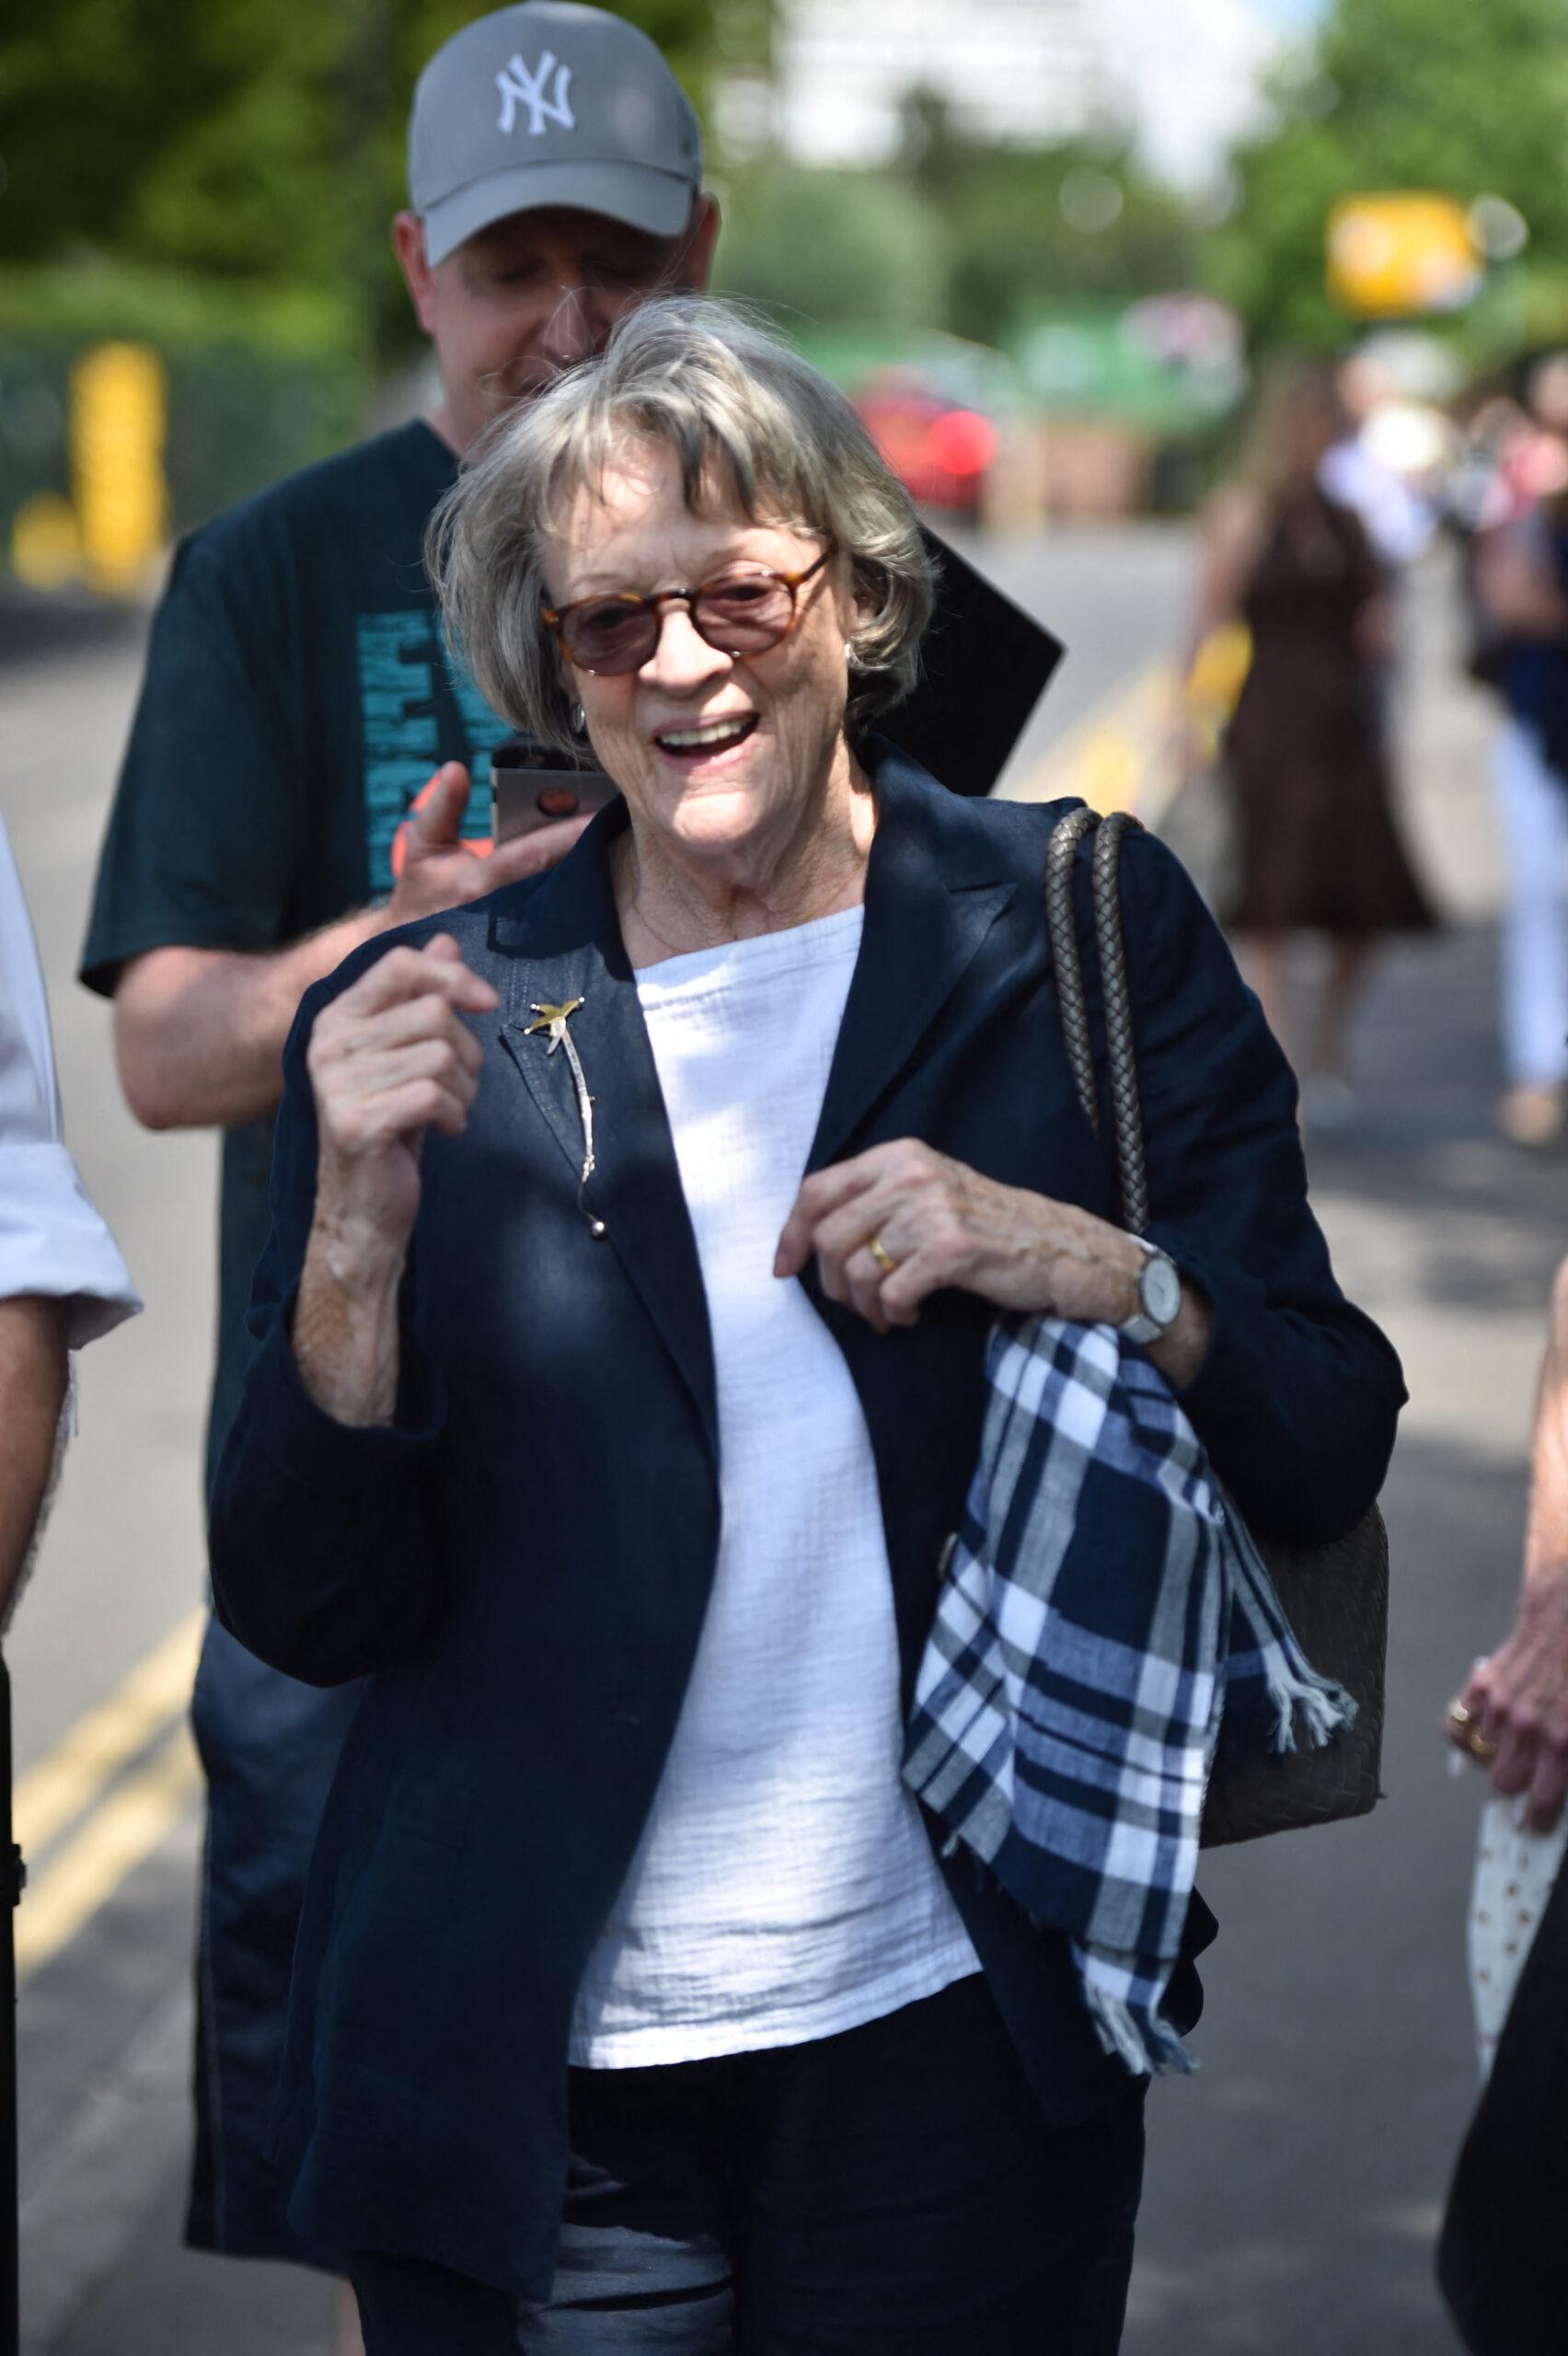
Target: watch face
x=1160 y=1289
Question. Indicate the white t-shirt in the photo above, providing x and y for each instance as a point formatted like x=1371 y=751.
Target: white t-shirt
x=784 y=1889
x=51 y=1240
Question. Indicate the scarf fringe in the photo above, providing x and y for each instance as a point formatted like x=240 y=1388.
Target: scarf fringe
x=1149 y=2046
x=1308 y=1709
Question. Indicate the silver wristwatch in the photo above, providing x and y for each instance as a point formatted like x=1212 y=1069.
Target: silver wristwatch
x=1159 y=1296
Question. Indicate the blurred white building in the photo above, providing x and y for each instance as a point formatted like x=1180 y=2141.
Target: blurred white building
x=1029 y=71
x=1182 y=75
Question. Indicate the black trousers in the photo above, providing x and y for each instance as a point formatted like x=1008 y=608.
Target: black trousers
x=891 y=2191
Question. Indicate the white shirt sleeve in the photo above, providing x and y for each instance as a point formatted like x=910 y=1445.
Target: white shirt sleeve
x=51 y=1240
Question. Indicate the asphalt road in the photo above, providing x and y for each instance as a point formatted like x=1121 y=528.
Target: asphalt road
x=1295 y=2180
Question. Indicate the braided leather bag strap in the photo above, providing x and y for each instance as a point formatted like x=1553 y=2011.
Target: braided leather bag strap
x=1061 y=858
x=1127 y=1120
x=1335 y=1596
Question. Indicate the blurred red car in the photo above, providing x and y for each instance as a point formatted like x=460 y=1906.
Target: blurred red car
x=938 y=449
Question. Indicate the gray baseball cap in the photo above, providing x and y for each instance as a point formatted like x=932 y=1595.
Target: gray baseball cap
x=549 y=102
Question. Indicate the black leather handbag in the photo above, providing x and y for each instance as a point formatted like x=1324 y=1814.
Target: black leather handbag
x=1336 y=1596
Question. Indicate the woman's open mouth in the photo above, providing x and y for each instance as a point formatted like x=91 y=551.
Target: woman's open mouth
x=704 y=741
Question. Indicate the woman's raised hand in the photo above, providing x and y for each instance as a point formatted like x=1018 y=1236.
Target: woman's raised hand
x=389 y=1059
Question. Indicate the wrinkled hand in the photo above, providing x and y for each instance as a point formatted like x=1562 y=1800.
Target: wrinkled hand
x=389 y=1059
x=1519 y=1701
x=440 y=871
x=944 y=1224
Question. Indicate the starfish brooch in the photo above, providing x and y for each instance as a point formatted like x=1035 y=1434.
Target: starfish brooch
x=554 y=1019
x=552 y=1022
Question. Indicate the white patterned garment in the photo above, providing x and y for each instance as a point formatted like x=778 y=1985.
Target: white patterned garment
x=1515 y=1870
x=51 y=1240
x=784 y=1889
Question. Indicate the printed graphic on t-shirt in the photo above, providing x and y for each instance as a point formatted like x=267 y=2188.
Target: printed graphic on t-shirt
x=417 y=706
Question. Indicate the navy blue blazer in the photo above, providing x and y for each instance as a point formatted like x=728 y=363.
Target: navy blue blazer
x=520 y=1564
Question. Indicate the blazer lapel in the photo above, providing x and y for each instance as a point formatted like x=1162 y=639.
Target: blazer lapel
x=565 y=944
x=931 y=903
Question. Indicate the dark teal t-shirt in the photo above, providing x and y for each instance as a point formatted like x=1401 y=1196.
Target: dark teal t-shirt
x=297 y=696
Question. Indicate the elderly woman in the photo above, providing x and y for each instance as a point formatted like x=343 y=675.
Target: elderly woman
x=637 y=1236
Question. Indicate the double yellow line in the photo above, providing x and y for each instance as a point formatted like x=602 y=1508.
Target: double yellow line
x=105 y=1798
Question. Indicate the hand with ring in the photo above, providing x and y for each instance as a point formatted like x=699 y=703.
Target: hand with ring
x=1511 y=1714
x=902 y=1221
x=1463 y=1730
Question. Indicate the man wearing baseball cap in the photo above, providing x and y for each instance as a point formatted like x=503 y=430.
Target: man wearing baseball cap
x=297 y=701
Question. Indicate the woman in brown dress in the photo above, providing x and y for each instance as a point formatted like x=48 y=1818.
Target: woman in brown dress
x=1306 y=753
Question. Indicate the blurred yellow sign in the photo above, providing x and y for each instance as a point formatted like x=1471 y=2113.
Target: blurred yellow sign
x=118 y=414
x=1407 y=251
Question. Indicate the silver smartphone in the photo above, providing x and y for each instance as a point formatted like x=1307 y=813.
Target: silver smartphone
x=530 y=789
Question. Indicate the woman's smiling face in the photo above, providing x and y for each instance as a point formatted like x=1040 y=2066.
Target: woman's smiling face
x=725 y=758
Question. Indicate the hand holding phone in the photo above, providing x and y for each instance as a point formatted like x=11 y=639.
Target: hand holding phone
x=435 y=866
x=529 y=789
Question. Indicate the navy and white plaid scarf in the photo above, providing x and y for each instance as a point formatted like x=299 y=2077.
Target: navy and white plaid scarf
x=1105 y=1621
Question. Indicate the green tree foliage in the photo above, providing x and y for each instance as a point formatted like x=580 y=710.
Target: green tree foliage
x=836 y=248
x=242 y=138
x=1027 y=226
x=1395 y=94
x=958 y=234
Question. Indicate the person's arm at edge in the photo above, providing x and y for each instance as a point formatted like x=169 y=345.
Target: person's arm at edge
x=1520 y=1694
x=199 y=1032
x=32 y=1393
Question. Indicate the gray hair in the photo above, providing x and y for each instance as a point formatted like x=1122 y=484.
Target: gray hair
x=733 y=403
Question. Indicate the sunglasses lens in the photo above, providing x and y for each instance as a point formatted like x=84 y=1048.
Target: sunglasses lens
x=744 y=612
x=612 y=635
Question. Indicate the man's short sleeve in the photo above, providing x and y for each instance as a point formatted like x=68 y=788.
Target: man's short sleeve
x=51 y=1240
x=206 y=838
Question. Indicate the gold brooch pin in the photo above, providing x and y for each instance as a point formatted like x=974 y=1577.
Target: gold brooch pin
x=552 y=1022
x=554 y=1019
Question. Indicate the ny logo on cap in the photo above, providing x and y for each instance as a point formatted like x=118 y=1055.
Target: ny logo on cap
x=518 y=86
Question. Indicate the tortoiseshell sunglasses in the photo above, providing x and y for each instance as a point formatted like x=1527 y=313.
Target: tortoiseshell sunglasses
x=742 y=611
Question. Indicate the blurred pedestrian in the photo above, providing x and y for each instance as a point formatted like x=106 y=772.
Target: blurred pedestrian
x=1306 y=755
x=634 y=2004
x=297 y=697
x=62 y=1282
x=1519 y=575
x=1399 y=517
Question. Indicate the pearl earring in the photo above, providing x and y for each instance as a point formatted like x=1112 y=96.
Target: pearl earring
x=579 y=720
x=849 y=652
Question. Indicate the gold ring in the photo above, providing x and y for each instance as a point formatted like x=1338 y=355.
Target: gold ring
x=1464 y=1724
x=882 y=1256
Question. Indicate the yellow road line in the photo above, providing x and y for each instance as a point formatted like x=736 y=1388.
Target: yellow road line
x=69 y=1778
x=1113 y=756
x=128 y=1826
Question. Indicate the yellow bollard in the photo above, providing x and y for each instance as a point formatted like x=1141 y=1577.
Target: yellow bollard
x=46 y=547
x=118 y=421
